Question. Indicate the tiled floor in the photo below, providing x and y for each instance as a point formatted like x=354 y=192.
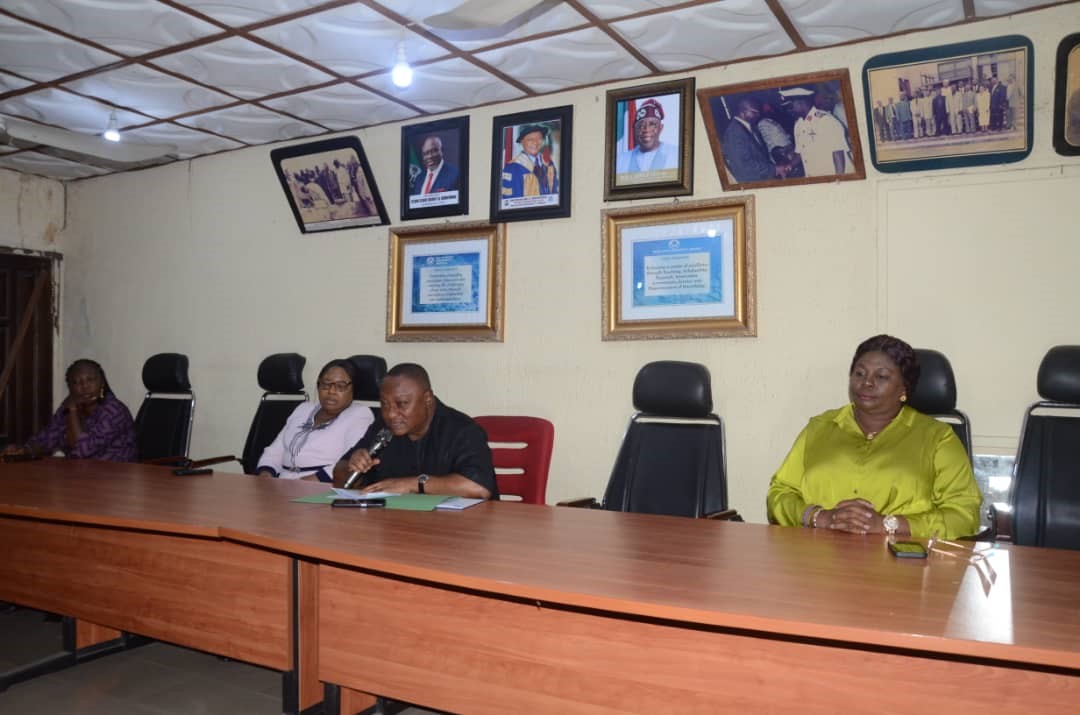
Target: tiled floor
x=153 y=679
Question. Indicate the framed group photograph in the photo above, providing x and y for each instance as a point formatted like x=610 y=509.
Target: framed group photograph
x=965 y=104
x=799 y=129
x=1067 y=97
x=435 y=169
x=649 y=147
x=530 y=165
x=329 y=185
x=681 y=271
x=446 y=283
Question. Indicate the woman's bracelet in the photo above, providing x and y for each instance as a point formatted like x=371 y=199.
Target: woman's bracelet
x=810 y=516
x=806 y=514
x=814 y=516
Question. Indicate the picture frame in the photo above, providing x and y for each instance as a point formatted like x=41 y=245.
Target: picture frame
x=685 y=270
x=949 y=106
x=441 y=189
x=518 y=191
x=660 y=115
x=785 y=131
x=1067 y=96
x=446 y=283
x=329 y=185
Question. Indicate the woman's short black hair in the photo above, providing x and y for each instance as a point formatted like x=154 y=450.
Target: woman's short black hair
x=898 y=351
x=346 y=365
x=86 y=362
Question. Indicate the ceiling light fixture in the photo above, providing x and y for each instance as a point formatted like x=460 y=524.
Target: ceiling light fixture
x=402 y=72
x=111 y=132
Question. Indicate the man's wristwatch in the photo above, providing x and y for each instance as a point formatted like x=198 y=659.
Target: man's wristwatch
x=421 y=481
x=891 y=524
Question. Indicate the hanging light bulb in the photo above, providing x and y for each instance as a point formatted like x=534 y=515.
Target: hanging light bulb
x=402 y=73
x=111 y=132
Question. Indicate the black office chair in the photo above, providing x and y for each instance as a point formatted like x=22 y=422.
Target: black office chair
x=672 y=456
x=370 y=371
x=1045 y=496
x=163 y=425
x=935 y=395
x=281 y=376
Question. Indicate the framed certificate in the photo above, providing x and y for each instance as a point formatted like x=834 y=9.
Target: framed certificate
x=684 y=271
x=446 y=283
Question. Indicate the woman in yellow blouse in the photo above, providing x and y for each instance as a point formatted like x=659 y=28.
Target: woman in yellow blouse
x=878 y=466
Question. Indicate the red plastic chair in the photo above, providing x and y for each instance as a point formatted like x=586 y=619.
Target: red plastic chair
x=521 y=451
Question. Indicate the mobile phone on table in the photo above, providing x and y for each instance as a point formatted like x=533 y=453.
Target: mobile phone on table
x=359 y=503
x=907 y=549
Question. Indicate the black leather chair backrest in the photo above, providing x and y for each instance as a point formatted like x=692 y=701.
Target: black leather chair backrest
x=672 y=458
x=370 y=371
x=935 y=394
x=1046 y=480
x=163 y=424
x=281 y=376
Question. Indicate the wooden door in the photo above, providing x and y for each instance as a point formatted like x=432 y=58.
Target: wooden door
x=27 y=402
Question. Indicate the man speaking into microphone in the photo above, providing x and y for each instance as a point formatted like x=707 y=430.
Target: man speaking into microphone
x=434 y=448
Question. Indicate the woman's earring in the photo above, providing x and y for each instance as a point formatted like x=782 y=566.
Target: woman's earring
x=102 y=395
x=903 y=398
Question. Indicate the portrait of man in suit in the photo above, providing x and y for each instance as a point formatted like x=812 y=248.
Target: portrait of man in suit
x=435 y=168
x=437 y=174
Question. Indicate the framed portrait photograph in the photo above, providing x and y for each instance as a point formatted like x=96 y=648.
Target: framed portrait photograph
x=965 y=104
x=682 y=271
x=530 y=165
x=329 y=185
x=799 y=129
x=435 y=169
x=446 y=283
x=1067 y=97
x=649 y=150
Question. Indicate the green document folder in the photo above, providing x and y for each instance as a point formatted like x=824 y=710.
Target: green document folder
x=410 y=502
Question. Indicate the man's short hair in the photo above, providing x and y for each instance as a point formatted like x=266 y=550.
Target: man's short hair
x=412 y=371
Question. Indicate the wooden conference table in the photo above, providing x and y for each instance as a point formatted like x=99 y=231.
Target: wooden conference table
x=539 y=609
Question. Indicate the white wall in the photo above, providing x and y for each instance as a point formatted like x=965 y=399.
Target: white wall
x=204 y=258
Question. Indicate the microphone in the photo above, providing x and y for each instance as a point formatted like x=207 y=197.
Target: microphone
x=382 y=438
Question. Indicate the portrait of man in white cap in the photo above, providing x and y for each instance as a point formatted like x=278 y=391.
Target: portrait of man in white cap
x=820 y=140
x=650 y=153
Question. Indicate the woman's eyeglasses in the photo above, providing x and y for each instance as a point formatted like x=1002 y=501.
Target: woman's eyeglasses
x=334 y=386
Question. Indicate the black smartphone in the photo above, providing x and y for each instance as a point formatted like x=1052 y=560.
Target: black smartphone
x=907 y=549
x=192 y=471
x=360 y=503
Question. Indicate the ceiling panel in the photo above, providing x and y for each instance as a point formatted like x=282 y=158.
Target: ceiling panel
x=828 y=22
x=558 y=62
x=251 y=124
x=242 y=68
x=206 y=76
x=704 y=35
x=152 y=92
x=331 y=39
x=446 y=86
x=131 y=27
x=40 y=55
x=341 y=106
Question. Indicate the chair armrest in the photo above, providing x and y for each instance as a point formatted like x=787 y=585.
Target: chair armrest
x=581 y=503
x=1001 y=524
x=726 y=515
x=195 y=464
x=177 y=461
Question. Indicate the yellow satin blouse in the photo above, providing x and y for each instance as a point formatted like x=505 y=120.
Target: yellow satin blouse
x=916 y=468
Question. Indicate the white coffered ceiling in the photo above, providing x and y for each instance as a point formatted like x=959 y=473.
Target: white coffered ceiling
x=214 y=75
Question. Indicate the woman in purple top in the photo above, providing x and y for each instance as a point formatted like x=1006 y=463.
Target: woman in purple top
x=90 y=423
